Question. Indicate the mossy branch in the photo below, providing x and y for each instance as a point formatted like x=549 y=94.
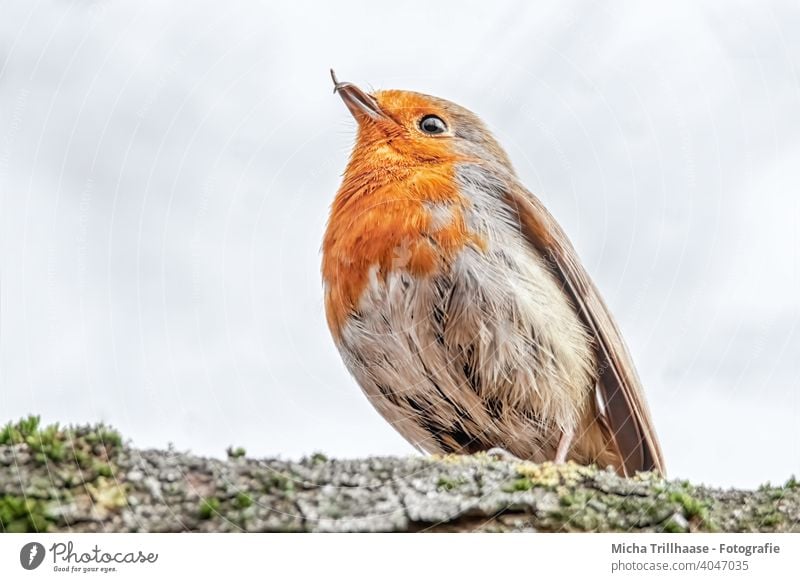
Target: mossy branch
x=88 y=479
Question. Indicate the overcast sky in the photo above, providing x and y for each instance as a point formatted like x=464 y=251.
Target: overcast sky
x=166 y=170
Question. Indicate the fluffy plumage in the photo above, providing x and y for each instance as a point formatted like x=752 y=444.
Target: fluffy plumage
x=459 y=305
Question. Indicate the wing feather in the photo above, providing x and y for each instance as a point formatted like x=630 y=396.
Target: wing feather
x=623 y=413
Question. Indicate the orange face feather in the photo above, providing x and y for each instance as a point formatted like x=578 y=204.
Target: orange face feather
x=381 y=215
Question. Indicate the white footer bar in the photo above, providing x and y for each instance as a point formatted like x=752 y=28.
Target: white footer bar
x=406 y=557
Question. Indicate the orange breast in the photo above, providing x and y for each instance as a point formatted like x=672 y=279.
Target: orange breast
x=394 y=218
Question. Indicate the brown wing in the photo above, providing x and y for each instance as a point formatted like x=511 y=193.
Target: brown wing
x=623 y=414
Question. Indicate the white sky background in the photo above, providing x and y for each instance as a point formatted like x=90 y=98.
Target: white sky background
x=166 y=171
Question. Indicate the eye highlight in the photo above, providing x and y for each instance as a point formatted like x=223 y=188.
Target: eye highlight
x=432 y=125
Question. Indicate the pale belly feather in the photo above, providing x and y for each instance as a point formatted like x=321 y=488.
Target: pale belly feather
x=487 y=352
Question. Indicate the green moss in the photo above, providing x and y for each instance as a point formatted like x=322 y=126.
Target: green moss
x=57 y=444
x=103 y=469
x=16 y=433
x=75 y=456
x=776 y=494
x=695 y=510
x=692 y=507
x=673 y=526
x=566 y=500
x=103 y=435
x=236 y=452
x=279 y=482
x=208 y=507
x=318 y=458
x=447 y=484
x=578 y=510
x=243 y=501
x=771 y=519
x=523 y=484
x=47 y=443
x=20 y=515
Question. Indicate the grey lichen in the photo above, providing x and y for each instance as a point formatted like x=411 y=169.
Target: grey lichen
x=87 y=479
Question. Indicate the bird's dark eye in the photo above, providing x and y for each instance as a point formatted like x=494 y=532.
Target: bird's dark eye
x=432 y=125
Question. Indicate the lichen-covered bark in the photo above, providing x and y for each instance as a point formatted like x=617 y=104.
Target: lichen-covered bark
x=87 y=479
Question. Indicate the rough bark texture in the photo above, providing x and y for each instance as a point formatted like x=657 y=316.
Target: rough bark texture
x=87 y=479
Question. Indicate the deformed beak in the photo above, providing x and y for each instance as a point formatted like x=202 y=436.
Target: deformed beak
x=358 y=102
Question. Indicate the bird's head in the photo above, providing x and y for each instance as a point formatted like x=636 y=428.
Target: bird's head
x=405 y=129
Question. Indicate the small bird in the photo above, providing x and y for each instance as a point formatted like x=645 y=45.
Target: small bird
x=459 y=304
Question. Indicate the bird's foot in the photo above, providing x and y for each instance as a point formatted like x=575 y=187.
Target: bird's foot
x=563 y=446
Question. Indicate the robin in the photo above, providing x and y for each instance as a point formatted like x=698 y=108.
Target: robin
x=459 y=304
